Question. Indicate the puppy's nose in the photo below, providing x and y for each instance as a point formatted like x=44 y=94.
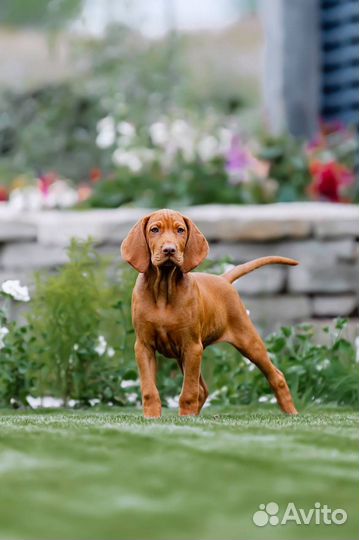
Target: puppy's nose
x=169 y=249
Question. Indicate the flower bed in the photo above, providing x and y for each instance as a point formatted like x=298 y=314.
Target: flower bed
x=177 y=162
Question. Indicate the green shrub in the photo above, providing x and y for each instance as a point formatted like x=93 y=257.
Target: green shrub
x=315 y=373
x=16 y=370
x=72 y=320
x=79 y=342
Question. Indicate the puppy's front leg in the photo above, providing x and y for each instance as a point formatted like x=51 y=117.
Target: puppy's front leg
x=188 y=401
x=146 y=361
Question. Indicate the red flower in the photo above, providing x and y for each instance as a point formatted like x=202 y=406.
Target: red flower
x=329 y=179
x=4 y=196
x=95 y=175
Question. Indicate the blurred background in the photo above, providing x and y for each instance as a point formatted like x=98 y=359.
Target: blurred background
x=128 y=92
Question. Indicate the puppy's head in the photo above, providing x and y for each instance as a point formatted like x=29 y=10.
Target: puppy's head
x=164 y=239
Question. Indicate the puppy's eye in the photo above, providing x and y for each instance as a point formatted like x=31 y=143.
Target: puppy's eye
x=155 y=229
x=180 y=230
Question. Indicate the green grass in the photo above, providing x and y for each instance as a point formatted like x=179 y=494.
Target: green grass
x=112 y=475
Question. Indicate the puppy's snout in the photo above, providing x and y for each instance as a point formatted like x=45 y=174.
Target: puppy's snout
x=169 y=249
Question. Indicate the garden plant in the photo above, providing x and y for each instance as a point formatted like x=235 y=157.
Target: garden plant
x=77 y=345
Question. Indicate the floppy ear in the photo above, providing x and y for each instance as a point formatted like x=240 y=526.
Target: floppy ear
x=134 y=248
x=196 y=249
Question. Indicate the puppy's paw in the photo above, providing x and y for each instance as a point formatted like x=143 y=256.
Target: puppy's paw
x=152 y=412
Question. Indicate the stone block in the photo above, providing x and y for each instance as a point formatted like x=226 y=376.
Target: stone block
x=302 y=250
x=322 y=277
x=268 y=310
x=336 y=228
x=247 y=223
x=25 y=255
x=269 y=279
x=25 y=277
x=272 y=221
x=13 y=231
x=335 y=306
x=104 y=226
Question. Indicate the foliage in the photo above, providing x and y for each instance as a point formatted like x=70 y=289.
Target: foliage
x=117 y=155
x=71 y=320
x=179 y=162
x=320 y=373
x=39 y=13
x=288 y=165
x=49 y=129
x=79 y=343
x=16 y=370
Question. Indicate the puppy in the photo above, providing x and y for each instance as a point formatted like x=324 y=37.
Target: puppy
x=180 y=313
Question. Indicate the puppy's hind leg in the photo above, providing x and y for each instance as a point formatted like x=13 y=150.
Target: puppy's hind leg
x=246 y=339
x=203 y=393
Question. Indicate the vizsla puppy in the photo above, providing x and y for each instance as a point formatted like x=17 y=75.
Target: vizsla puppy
x=179 y=313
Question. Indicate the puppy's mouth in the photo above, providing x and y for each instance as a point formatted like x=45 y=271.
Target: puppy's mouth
x=167 y=262
x=170 y=261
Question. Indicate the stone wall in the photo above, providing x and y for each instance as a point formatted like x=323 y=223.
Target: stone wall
x=323 y=237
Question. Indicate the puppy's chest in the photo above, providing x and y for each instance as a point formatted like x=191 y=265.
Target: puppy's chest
x=168 y=331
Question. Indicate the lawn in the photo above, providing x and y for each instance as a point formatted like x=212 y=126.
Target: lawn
x=112 y=475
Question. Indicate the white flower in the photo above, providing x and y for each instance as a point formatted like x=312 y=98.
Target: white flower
x=126 y=129
x=76 y=347
x=263 y=399
x=15 y=290
x=127 y=159
x=26 y=198
x=225 y=137
x=46 y=402
x=182 y=139
x=132 y=397
x=106 y=132
x=323 y=365
x=101 y=346
x=127 y=133
x=110 y=352
x=129 y=383
x=3 y=332
x=180 y=129
x=172 y=403
x=61 y=195
x=159 y=133
x=207 y=148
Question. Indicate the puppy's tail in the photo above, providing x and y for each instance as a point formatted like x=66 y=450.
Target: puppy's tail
x=243 y=269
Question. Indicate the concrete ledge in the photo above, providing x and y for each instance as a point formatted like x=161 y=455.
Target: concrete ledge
x=218 y=222
x=322 y=237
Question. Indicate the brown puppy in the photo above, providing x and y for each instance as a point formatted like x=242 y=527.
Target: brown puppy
x=179 y=313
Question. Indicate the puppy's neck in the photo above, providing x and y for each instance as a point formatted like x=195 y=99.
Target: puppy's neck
x=165 y=282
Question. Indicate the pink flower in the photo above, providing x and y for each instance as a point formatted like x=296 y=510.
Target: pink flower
x=45 y=181
x=242 y=165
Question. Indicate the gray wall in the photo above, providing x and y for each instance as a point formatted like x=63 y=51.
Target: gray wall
x=323 y=237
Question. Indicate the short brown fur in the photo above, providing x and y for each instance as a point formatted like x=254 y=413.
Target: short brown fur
x=179 y=313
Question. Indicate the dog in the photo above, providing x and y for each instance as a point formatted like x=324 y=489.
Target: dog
x=179 y=313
